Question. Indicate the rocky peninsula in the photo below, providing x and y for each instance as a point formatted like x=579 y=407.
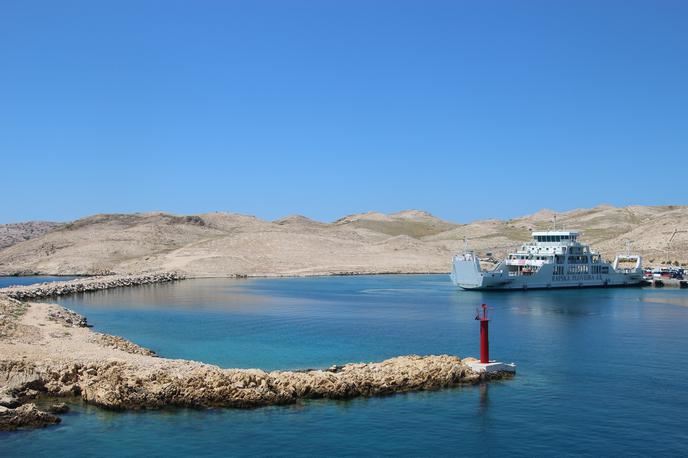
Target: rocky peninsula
x=47 y=350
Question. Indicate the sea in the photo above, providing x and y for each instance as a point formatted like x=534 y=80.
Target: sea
x=600 y=372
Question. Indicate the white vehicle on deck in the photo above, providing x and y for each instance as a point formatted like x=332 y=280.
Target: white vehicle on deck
x=554 y=259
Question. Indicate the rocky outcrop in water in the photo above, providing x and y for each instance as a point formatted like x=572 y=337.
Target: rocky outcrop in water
x=83 y=285
x=58 y=407
x=120 y=387
x=123 y=385
x=25 y=416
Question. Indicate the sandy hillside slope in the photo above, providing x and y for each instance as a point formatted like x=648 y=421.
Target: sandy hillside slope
x=18 y=232
x=226 y=244
x=218 y=244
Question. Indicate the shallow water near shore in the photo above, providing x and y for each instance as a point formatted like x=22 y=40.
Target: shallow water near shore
x=600 y=372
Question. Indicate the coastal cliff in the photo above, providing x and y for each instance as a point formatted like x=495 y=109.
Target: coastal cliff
x=48 y=350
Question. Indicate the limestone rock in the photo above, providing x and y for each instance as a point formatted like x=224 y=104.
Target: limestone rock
x=59 y=407
x=25 y=416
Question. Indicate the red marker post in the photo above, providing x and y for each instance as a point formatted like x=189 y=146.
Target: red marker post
x=485 y=365
x=484 y=335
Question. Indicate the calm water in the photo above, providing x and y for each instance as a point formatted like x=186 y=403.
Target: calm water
x=600 y=372
x=11 y=281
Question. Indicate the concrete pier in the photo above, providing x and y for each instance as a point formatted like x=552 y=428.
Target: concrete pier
x=493 y=367
x=665 y=282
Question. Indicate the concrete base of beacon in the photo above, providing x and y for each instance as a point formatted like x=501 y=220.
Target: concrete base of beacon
x=492 y=366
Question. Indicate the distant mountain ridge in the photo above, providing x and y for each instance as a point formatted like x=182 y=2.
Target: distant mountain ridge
x=229 y=244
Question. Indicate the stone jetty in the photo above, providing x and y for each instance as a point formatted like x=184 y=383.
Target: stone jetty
x=83 y=285
x=47 y=350
x=129 y=385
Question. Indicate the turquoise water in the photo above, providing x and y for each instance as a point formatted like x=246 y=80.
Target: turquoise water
x=11 y=281
x=600 y=372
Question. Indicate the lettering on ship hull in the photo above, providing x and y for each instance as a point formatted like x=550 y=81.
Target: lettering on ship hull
x=586 y=277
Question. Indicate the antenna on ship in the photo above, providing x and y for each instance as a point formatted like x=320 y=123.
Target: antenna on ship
x=555 y=222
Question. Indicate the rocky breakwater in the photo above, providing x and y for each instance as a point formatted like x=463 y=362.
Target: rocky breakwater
x=83 y=285
x=185 y=384
x=127 y=385
x=48 y=350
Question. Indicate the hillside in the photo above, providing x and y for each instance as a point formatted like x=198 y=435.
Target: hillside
x=226 y=244
x=18 y=232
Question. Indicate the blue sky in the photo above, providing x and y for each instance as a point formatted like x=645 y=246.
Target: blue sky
x=324 y=108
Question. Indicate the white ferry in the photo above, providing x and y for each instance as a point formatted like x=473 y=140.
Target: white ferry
x=554 y=259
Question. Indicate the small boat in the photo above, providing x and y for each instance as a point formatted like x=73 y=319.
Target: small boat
x=553 y=259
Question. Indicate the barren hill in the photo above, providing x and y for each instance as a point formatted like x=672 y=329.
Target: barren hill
x=226 y=244
x=18 y=232
x=413 y=223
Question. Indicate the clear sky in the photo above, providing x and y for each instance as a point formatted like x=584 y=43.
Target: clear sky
x=325 y=108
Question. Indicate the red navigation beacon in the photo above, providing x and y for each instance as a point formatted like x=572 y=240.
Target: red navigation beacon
x=485 y=365
x=484 y=335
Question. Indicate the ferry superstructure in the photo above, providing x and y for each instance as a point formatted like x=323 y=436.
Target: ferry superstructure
x=553 y=259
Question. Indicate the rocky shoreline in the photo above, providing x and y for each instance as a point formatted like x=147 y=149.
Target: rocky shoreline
x=83 y=285
x=47 y=350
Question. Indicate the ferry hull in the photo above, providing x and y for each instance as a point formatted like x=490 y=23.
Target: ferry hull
x=467 y=275
x=527 y=287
